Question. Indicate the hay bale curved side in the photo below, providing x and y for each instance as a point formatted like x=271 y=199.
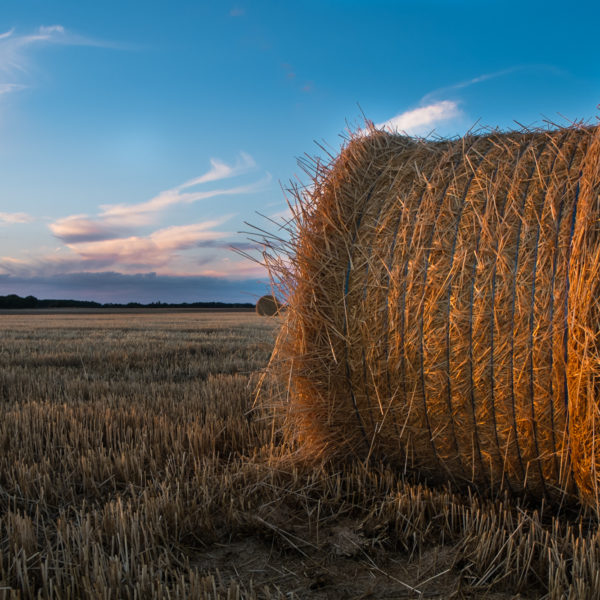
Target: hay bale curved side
x=442 y=309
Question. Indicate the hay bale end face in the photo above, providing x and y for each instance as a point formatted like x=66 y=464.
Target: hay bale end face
x=443 y=309
x=268 y=306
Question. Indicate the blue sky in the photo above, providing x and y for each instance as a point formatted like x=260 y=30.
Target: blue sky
x=137 y=137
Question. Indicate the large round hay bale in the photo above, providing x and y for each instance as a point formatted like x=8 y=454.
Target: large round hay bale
x=443 y=309
x=267 y=306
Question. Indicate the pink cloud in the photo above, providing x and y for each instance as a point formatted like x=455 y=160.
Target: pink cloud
x=120 y=220
x=137 y=258
x=168 y=251
x=156 y=250
x=236 y=270
x=12 y=218
x=118 y=237
x=80 y=228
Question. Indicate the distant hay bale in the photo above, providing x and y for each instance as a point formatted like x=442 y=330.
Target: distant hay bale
x=267 y=306
x=443 y=309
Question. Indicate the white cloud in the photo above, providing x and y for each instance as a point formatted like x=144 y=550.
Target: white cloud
x=115 y=239
x=434 y=110
x=15 y=51
x=14 y=48
x=422 y=119
x=157 y=249
x=445 y=91
x=143 y=212
x=120 y=220
x=220 y=170
x=168 y=250
x=81 y=228
x=52 y=29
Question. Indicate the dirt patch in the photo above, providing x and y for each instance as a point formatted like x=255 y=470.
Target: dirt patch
x=345 y=565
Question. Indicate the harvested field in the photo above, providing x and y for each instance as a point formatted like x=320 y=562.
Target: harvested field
x=133 y=465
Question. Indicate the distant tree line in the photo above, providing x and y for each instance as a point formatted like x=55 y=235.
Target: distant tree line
x=14 y=301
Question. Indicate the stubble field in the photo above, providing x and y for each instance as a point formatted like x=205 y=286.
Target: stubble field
x=134 y=463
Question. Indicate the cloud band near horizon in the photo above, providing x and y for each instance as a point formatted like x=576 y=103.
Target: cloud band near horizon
x=110 y=286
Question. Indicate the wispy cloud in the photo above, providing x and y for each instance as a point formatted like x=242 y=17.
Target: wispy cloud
x=167 y=250
x=220 y=170
x=81 y=228
x=118 y=237
x=138 y=214
x=447 y=90
x=16 y=49
x=116 y=221
x=155 y=250
x=469 y=82
x=421 y=119
x=12 y=218
x=142 y=212
x=442 y=104
x=7 y=88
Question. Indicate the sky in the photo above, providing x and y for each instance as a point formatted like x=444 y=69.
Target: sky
x=138 y=139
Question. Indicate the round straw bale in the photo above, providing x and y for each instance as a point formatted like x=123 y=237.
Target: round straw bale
x=268 y=306
x=443 y=309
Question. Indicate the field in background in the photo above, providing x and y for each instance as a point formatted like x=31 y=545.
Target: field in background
x=134 y=465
